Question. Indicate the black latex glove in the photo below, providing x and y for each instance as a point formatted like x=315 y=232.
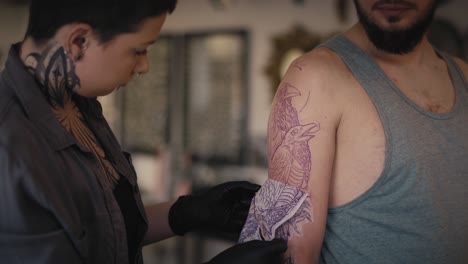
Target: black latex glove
x=223 y=208
x=253 y=252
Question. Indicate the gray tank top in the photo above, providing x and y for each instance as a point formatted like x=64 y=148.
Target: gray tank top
x=417 y=211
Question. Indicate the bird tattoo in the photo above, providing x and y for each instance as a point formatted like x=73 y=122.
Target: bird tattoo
x=284 y=115
x=290 y=159
x=290 y=162
x=283 y=204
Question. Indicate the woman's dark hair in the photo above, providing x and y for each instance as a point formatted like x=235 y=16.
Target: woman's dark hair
x=107 y=17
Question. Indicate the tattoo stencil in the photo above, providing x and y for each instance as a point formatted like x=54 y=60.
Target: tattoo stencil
x=282 y=205
x=276 y=208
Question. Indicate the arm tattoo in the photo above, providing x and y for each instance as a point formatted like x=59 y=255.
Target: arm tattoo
x=290 y=157
x=283 y=204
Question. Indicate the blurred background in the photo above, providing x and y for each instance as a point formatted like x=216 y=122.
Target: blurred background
x=199 y=117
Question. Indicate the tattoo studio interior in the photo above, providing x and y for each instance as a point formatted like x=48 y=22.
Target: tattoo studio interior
x=200 y=115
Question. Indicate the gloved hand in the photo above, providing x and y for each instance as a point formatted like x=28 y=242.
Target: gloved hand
x=253 y=252
x=223 y=208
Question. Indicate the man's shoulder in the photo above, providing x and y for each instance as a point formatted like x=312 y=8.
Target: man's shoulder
x=322 y=74
x=315 y=83
x=322 y=60
x=320 y=67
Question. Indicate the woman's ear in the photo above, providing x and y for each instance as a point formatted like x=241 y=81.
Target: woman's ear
x=78 y=40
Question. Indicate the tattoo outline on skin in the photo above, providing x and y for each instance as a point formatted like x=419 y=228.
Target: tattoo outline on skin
x=298 y=65
x=283 y=205
x=290 y=157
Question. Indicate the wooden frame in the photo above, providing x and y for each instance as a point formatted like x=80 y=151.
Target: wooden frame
x=298 y=38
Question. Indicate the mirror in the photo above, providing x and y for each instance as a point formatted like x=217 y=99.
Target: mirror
x=286 y=48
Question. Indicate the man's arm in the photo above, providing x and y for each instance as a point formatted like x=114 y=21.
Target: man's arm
x=464 y=67
x=293 y=203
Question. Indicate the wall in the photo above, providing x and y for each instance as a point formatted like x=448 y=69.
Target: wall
x=264 y=19
x=13 y=22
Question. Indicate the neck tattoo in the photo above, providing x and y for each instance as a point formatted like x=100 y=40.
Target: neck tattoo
x=55 y=72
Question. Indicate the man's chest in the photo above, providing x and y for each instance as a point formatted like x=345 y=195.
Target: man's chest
x=431 y=89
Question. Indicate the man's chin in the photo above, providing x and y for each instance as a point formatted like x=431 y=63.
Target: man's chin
x=396 y=47
x=399 y=35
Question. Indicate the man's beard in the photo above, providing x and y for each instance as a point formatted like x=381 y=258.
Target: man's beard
x=400 y=41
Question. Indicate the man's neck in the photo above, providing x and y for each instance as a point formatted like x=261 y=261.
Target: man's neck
x=418 y=56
